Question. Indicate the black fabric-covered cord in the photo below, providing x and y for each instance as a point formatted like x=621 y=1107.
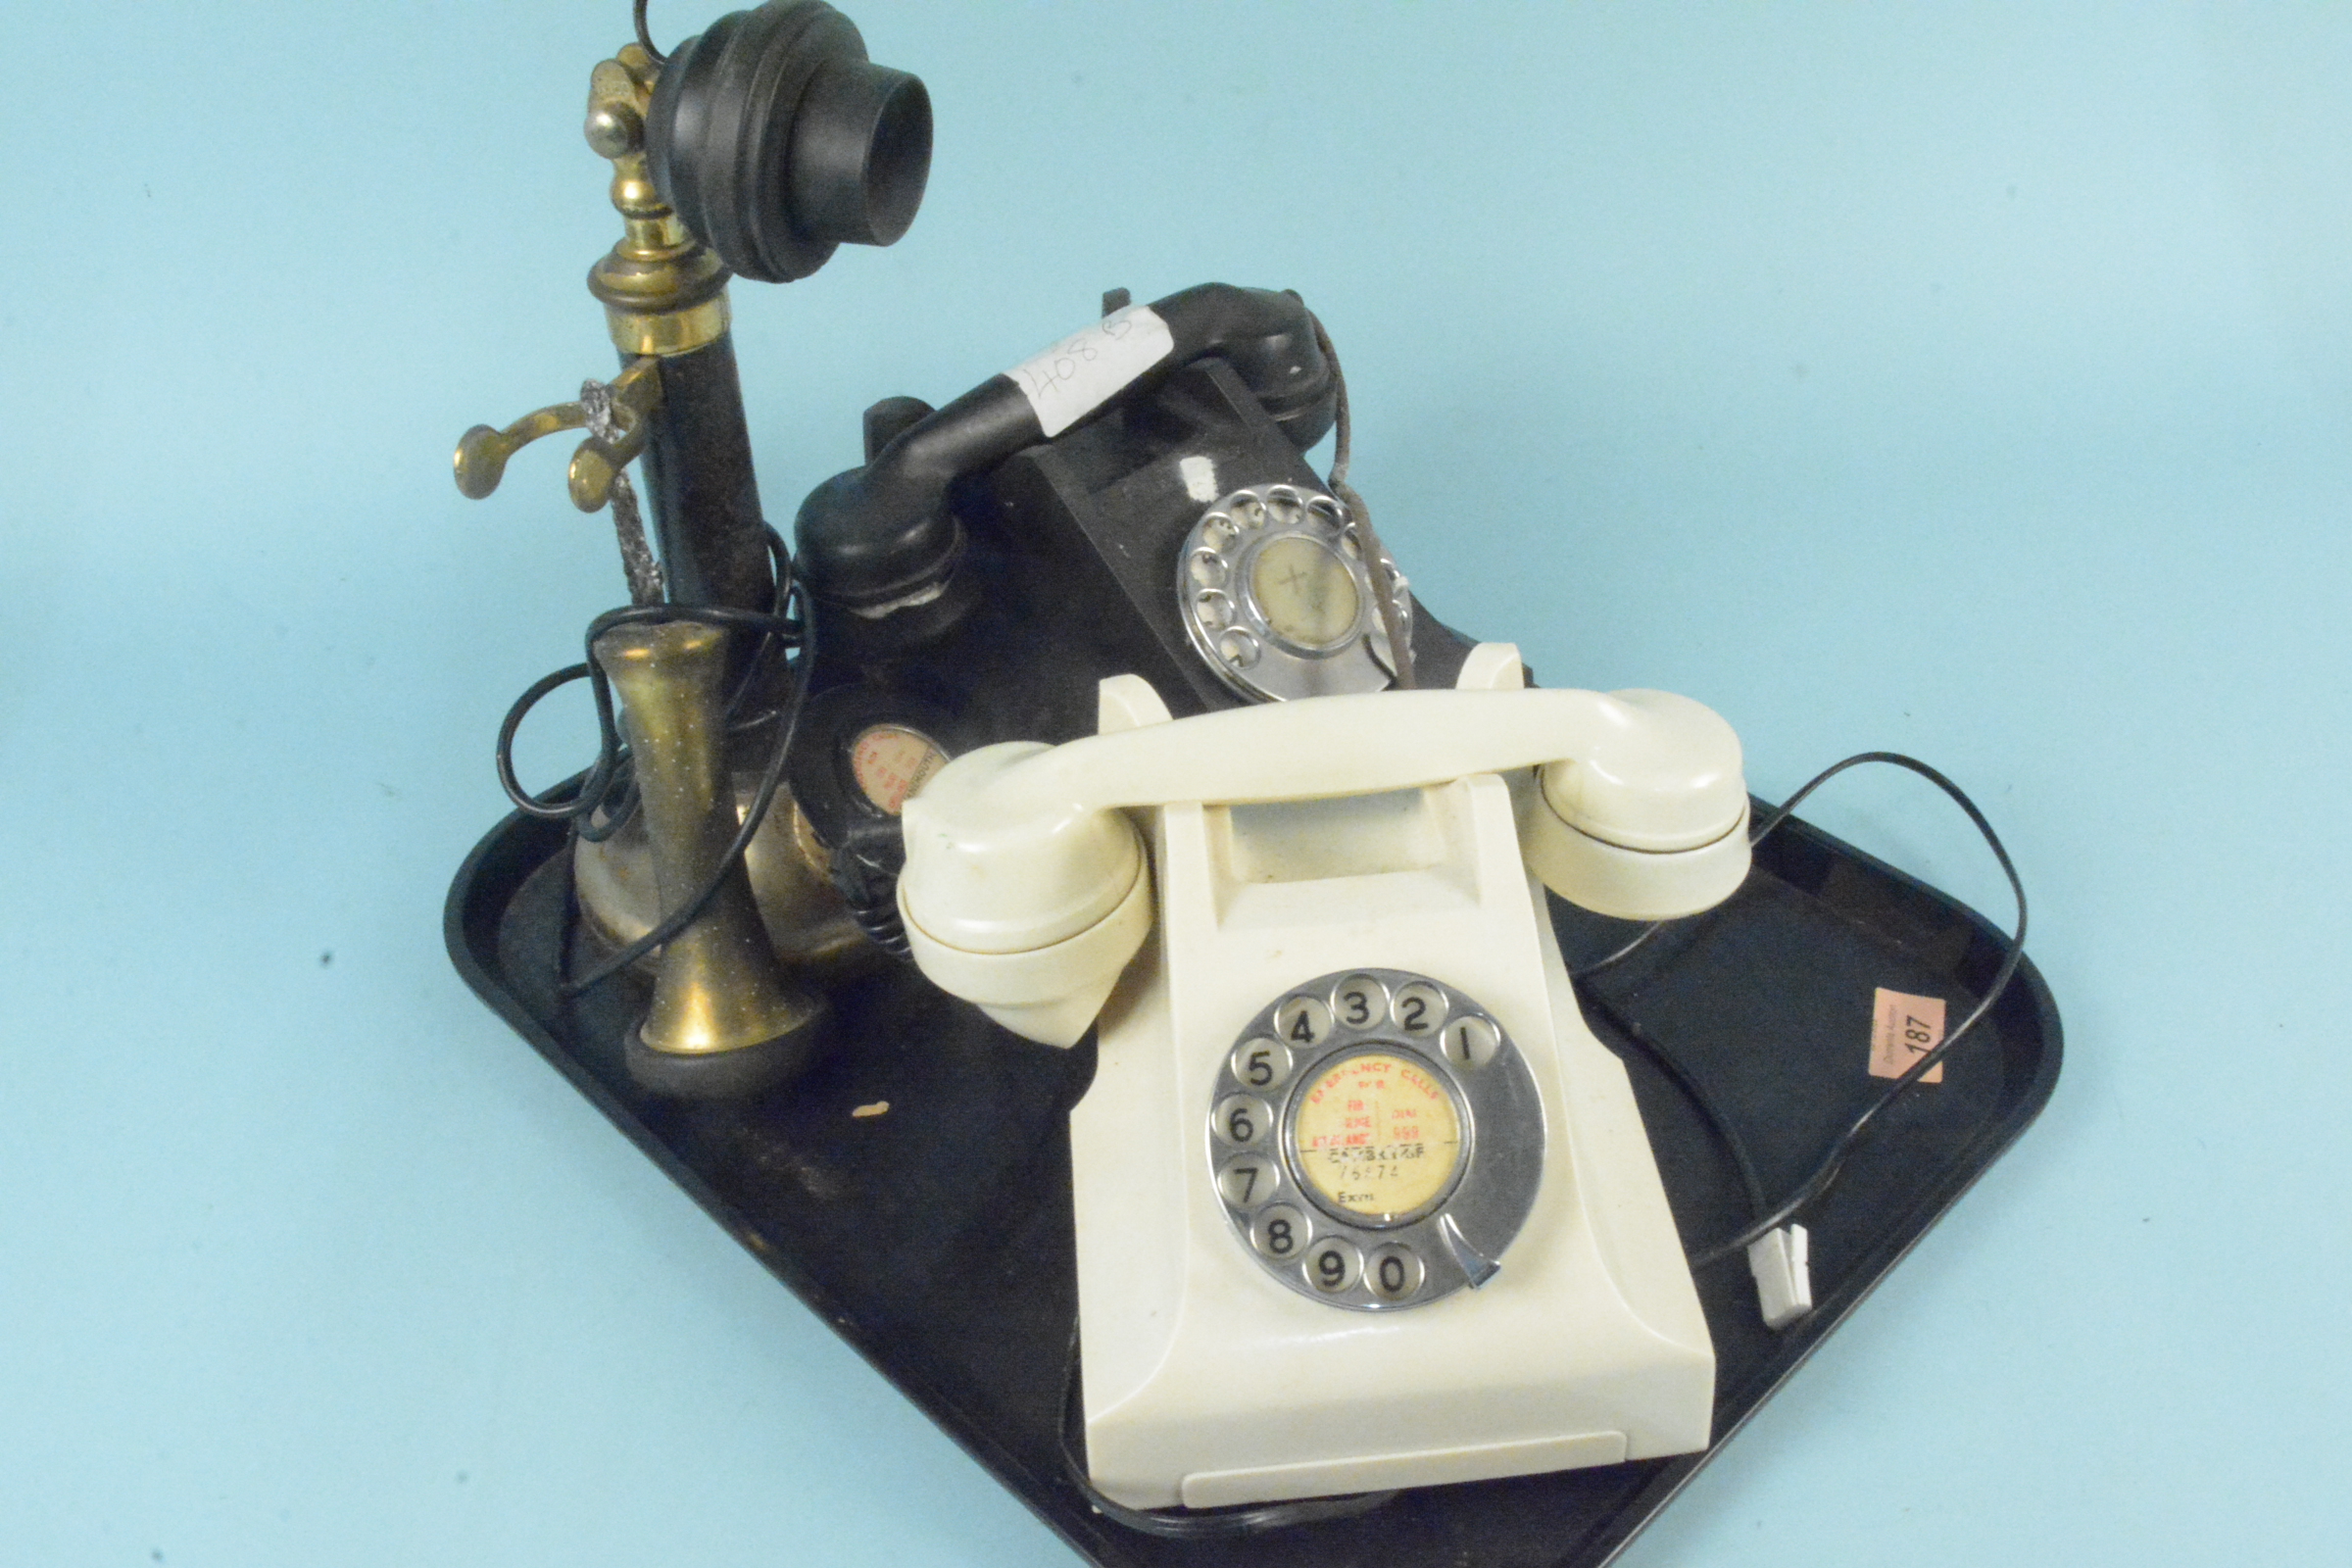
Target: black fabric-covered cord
x=1693 y=1090
x=1376 y=559
x=645 y=39
x=606 y=788
x=1625 y=952
x=771 y=778
x=1825 y=1173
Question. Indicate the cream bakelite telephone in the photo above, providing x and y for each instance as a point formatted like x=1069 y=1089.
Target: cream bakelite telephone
x=1361 y=1203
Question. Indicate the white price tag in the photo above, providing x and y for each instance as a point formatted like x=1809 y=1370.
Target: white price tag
x=1087 y=369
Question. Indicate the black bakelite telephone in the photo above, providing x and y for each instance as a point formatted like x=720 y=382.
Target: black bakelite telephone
x=975 y=580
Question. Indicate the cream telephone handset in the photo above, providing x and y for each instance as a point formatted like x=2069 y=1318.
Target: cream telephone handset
x=1360 y=1201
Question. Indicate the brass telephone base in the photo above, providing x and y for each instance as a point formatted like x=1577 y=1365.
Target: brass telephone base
x=719 y=994
x=729 y=1074
x=810 y=928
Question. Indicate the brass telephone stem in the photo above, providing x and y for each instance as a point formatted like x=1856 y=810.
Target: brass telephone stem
x=665 y=298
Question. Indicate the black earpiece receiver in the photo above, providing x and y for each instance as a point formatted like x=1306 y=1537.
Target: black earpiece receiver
x=776 y=139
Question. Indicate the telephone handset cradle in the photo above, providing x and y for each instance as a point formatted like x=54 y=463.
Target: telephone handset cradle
x=1360 y=1201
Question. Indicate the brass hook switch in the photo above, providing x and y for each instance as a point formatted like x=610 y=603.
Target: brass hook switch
x=482 y=452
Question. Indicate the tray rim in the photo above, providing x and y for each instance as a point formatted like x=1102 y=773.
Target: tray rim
x=466 y=922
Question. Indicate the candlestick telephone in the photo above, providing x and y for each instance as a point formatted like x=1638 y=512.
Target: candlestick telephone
x=1087 y=700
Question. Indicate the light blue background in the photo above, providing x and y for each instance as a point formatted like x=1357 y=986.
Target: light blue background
x=1972 y=381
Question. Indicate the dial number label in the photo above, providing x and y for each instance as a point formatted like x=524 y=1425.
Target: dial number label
x=1378 y=1134
x=1306 y=592
x=1394 y=1273
x=891 y=762
x=1470 y=1042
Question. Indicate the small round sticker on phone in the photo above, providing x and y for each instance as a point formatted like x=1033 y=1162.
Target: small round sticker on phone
x=891 y=762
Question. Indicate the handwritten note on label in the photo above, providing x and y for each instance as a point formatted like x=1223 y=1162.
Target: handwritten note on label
x=1087 y=370
x=1902 y=1029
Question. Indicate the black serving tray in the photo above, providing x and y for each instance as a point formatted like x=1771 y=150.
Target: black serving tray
x=936 y=1238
